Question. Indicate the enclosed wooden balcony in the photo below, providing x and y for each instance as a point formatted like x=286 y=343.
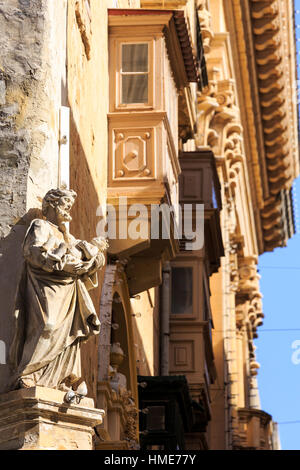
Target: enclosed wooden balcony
x=255 y=430
x=191 y=322
x=199 y=184
x=151 y=64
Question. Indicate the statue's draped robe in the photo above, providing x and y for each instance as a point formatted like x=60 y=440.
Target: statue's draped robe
x=53 y=314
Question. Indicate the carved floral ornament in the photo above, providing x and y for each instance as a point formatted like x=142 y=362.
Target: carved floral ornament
x=250 y=311
x=248 y=276
x=217 y=108
x=225 y=136
x=248 y=318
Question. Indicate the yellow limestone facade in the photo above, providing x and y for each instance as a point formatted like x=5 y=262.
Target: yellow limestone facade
x=174 y=366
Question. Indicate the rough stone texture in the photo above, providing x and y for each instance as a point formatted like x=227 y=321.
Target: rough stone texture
x=32 y=74
x=39 y=419
x=21 y=74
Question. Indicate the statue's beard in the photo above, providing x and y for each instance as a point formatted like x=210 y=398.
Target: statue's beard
x=63 y=215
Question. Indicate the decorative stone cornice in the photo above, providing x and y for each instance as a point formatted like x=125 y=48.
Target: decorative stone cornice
x=270 y=24
x=264 y=33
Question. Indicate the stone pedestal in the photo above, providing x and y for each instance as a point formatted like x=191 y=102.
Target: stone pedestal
x=39 y=419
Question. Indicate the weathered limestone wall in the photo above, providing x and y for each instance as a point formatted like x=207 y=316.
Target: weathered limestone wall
x=88 y=102
x=32 y=76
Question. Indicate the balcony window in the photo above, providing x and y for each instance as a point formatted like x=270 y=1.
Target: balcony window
x=156 y=420
x=134 y=73
x=169 y=413
x=182 y=290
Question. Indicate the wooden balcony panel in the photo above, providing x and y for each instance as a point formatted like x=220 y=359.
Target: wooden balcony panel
x=199 y=184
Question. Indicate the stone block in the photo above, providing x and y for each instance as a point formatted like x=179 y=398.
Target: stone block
x=38 y=418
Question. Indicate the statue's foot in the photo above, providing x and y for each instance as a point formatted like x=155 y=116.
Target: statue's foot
x=81 y=389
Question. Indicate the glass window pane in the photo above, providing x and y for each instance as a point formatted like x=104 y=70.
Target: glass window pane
x=134 y=58
x=182 y=290
x=156 y=418
x=134 y=89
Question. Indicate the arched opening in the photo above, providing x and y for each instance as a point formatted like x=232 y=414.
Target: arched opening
x=119 y=334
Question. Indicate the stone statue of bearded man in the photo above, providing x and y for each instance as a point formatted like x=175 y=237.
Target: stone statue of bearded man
x=54 y=312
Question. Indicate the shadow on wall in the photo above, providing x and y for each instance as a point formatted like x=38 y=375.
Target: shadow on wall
x=143 y=365
x=83 y=226
x=11 y=264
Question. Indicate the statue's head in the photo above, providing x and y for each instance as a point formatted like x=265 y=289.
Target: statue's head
x=61 y=201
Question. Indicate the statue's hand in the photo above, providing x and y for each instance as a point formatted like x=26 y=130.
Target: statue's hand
x=95 y=264
x=72 y=265
x=100 y=261
x=84 y=268
x=101 y=243
x=72 y=268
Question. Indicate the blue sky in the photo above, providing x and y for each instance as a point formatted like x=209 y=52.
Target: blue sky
x=279 y=376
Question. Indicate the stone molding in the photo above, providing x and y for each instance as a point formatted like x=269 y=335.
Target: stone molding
x=38 y=418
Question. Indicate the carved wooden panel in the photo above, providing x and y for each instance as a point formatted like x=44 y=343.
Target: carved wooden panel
x=182 y=355
x=133 y=156
x=199 y=181
x=192 y=185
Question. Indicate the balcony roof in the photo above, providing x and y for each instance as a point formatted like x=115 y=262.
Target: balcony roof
x=178 y=23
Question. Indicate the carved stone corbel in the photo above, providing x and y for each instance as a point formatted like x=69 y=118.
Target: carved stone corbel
x=248 y=283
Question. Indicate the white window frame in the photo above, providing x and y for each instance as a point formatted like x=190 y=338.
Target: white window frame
x=151 y=68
